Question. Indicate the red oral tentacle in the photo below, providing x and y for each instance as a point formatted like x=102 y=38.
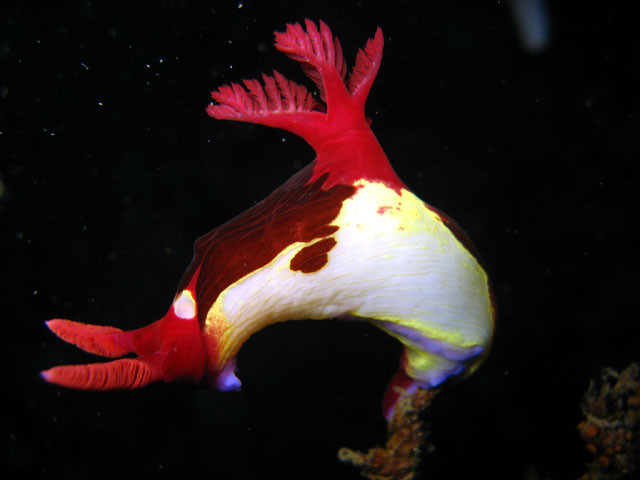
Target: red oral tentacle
x=105 y=341
x=125 y=373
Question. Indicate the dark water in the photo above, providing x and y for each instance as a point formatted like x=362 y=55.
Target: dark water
x=110 y=168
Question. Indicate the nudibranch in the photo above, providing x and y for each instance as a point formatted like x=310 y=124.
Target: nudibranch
x=344 y=237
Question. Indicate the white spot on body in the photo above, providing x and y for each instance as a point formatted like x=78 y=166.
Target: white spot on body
x=185 y=306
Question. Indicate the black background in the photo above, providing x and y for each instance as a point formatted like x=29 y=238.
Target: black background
x=110 y=169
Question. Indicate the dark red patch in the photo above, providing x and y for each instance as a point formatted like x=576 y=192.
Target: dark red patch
x=381 y=210
x=314 y=257
x=296 y=212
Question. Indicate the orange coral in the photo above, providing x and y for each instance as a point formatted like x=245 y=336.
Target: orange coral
x=406 y=435
x=612 y=424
